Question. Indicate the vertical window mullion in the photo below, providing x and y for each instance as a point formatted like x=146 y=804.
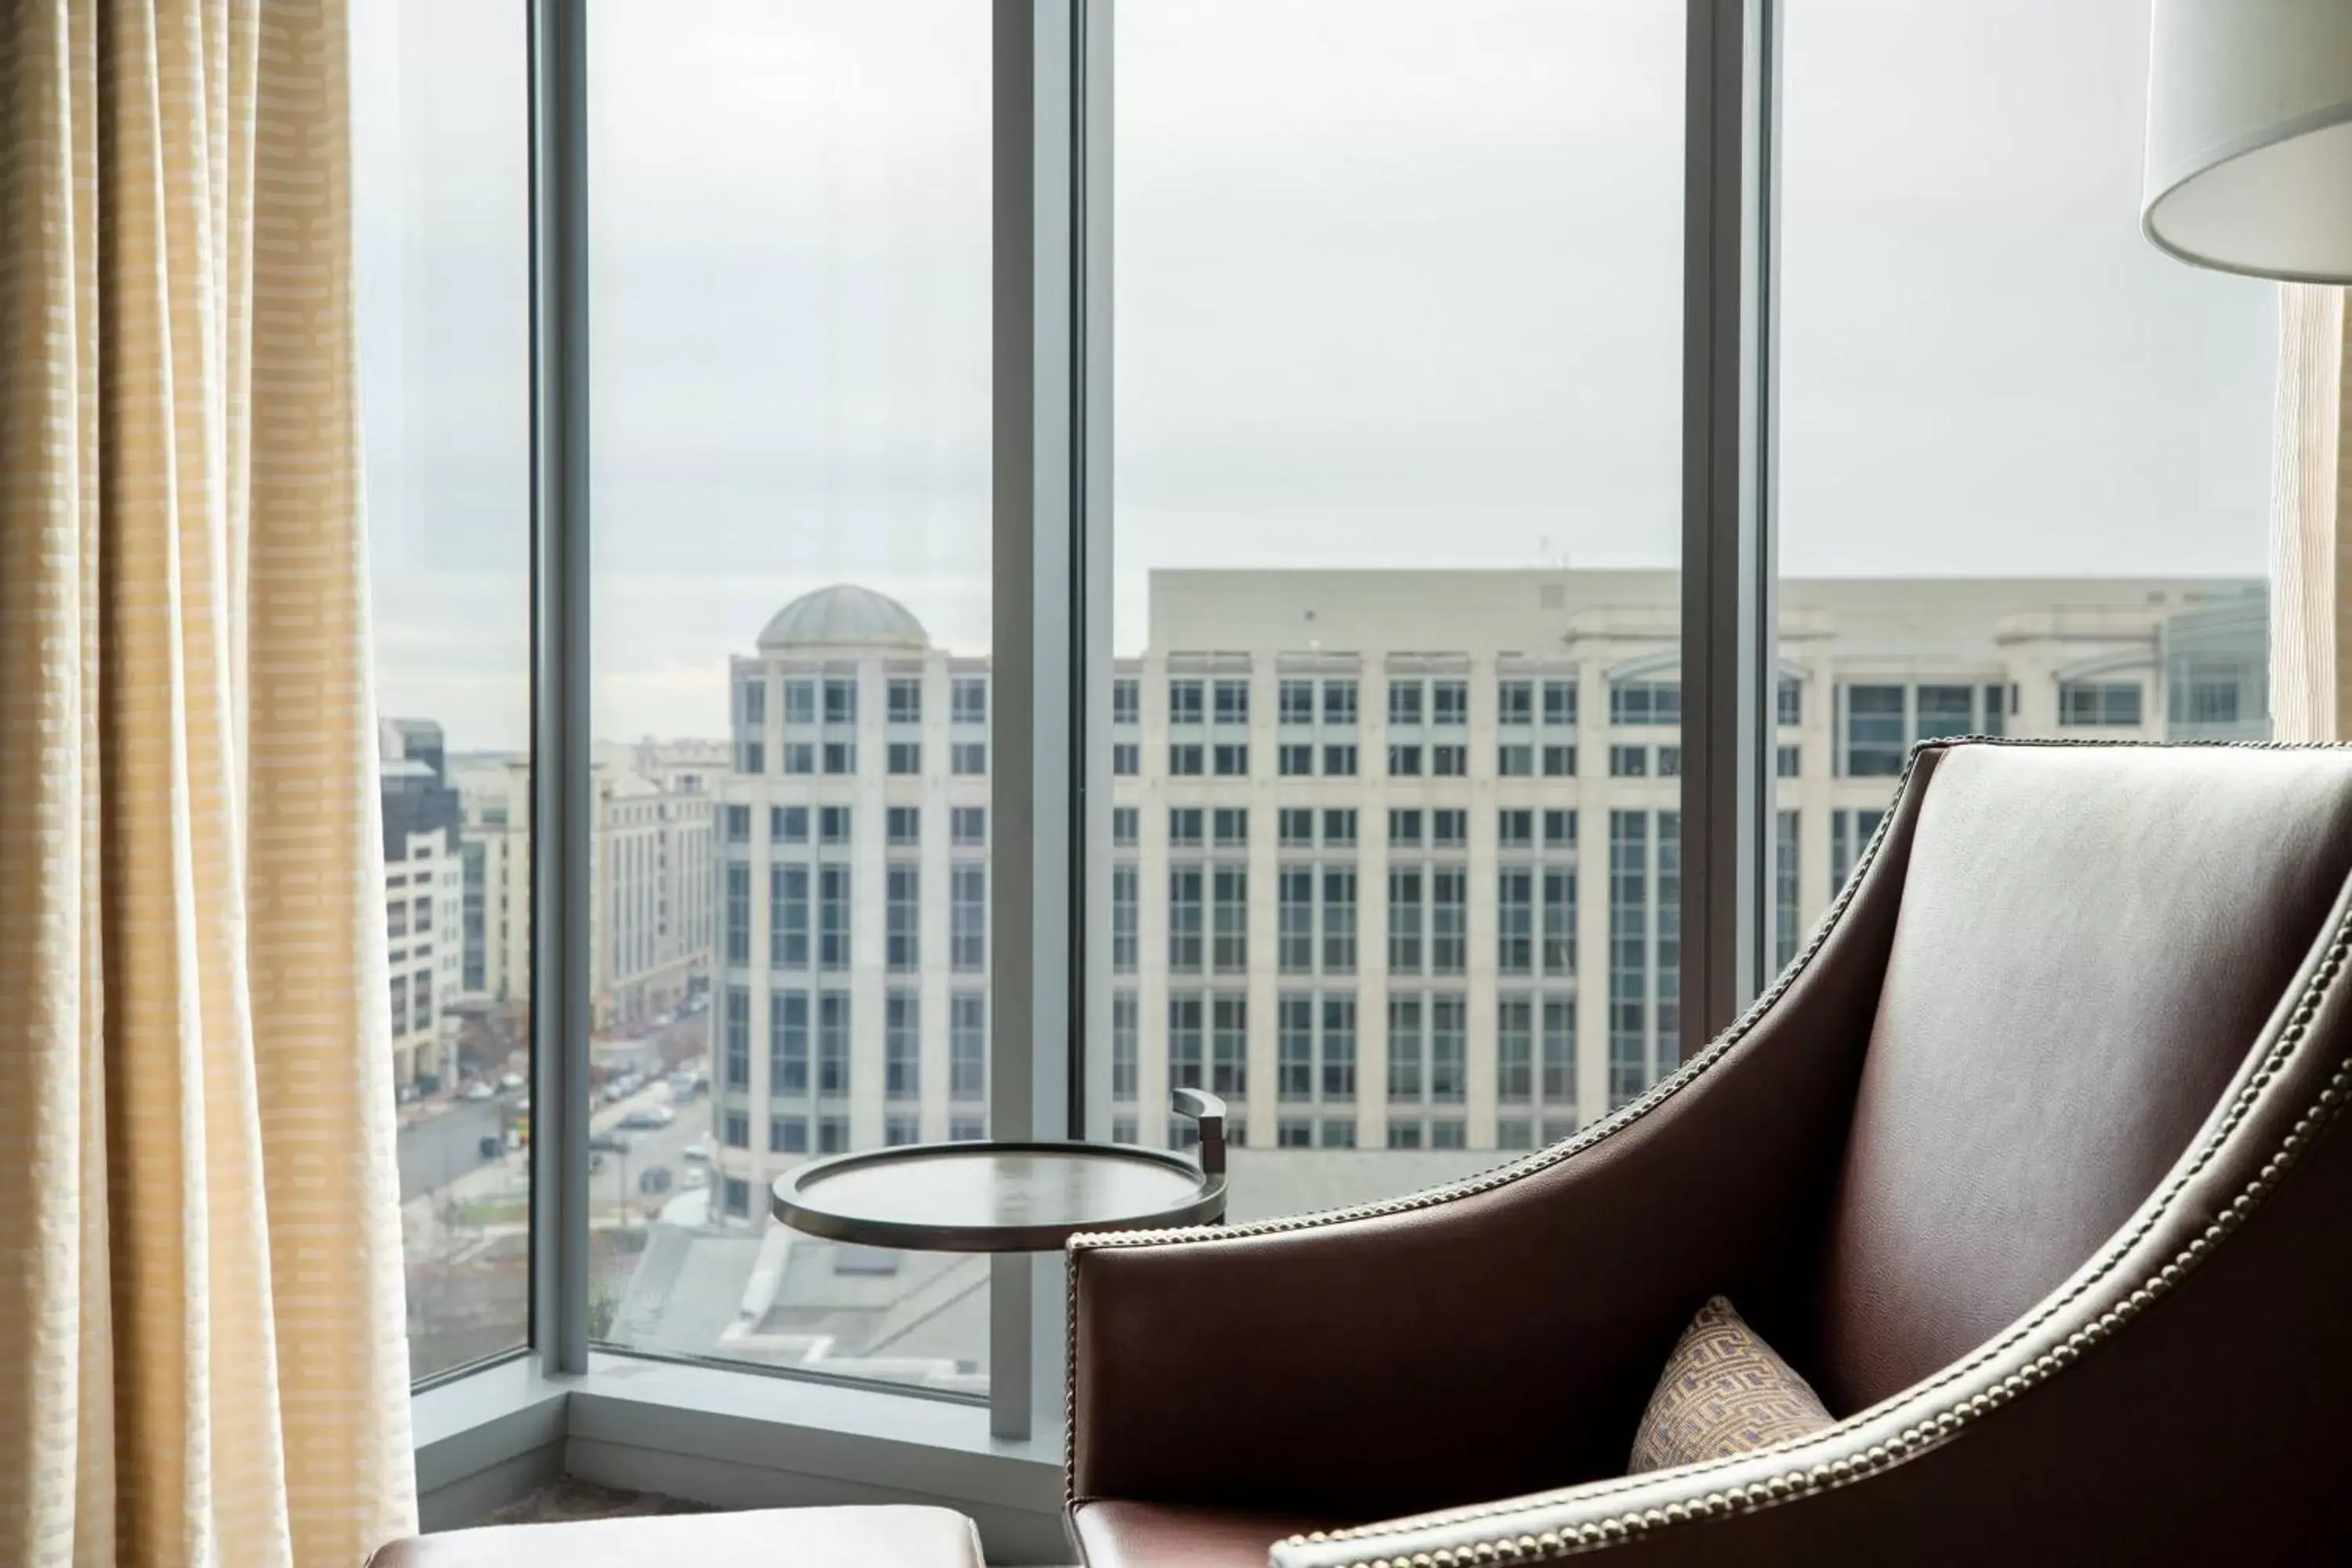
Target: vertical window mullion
x=1046 y=441
x=1729 y=561
x=561 y=808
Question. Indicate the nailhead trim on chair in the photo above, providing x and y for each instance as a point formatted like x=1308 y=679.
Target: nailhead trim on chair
x=1930 y=1428
x=1936 y=1426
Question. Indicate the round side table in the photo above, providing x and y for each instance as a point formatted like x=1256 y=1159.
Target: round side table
x=990 y=1196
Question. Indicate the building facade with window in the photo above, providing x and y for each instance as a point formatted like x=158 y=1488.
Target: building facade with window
x=850 y=966
x=655 y=907
x=1395 y=855
x=424 y=899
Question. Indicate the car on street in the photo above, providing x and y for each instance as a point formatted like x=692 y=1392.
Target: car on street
x=649 y=1117
x=654 y=1181
x=477 y=1089
x=693 y=1179
x=612 y=1142
x=699 y=1149
x=510 y=1082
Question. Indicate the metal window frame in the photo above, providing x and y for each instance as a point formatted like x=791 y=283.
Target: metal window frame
x=1050 y=451
x=563 y=821
x=1052 y=544
x=1729 y=624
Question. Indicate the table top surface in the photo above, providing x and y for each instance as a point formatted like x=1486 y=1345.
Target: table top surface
x=993 y=1196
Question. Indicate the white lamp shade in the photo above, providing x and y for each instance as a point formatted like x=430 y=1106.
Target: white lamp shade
x=2249 y=165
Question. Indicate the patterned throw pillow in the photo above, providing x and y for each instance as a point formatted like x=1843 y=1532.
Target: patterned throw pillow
x=1724 y=1392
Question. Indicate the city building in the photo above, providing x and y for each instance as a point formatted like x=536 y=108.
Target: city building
x=1395 y=854
x=650 y=866
x=495 y=795
x=653 y=908
x=424 y=892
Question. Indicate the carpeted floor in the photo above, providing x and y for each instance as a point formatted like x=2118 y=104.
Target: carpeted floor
x=568 y=1499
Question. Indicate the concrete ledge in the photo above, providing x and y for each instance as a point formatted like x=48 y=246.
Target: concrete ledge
x=733 y=1440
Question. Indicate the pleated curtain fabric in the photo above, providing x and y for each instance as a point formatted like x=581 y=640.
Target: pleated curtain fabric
x=2311 y=519
x=202 y=1353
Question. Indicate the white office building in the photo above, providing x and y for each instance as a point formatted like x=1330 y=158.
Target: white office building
x=1396 y=855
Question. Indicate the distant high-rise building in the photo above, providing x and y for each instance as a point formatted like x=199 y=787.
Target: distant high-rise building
x=1395 y=857
x=423 y=894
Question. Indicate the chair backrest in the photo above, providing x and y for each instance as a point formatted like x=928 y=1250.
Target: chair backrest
x=2091 y=939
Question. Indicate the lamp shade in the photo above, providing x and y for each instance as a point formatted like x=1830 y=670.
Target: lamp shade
x=2248 y=164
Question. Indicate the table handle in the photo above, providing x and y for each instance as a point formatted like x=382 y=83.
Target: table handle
x=1209 y=1112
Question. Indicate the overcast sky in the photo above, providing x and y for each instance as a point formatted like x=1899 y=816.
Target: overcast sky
x=1397 y=285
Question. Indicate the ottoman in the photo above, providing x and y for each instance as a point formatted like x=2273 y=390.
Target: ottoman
x=888 y=1537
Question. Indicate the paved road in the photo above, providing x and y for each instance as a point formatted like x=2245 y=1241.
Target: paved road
x=437 y=1150
x=664 y=1147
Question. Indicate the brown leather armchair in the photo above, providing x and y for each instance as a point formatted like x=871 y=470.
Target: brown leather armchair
x=2033 y=1163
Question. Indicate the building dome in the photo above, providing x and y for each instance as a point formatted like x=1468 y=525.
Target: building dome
x=843 y=615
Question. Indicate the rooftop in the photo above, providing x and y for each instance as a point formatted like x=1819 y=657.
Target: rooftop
x=843 y=615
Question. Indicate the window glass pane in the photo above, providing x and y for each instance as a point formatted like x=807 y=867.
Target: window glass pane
x=441 y=182
x=1454 y=337
x=789 y=254
x=2024 y=456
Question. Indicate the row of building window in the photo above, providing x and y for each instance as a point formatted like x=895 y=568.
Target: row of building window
x=399 y=921
x=1190 y=759
x=902 y=824
x=809 y=916
x=412 y=995
x=1316 y=1048
x=1428 y=928
x=1225 y=827
x=809 y=1044
x=835 y=698
x=1444 y=702
x=901 y=759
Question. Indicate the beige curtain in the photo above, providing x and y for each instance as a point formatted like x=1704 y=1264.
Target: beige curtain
x=201 y=1324
x=2311 y=519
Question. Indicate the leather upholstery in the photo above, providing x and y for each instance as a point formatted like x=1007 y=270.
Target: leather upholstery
x=2101 y=1319
x=1495 y=1338
x=886 y=1537
x=2091 y=941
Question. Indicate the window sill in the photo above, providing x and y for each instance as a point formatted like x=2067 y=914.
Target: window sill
x=734 y=1440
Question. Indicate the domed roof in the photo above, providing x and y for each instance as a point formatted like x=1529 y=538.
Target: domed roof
x=843 y=615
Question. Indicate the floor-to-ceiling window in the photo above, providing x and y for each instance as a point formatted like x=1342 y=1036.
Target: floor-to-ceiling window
x=1394 y=538
x=789 y=208
x=2025 y=456
x=441 y=238
x=1393 y=306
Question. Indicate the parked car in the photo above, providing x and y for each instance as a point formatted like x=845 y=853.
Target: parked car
x=699 y=1149
x=649 y=1117
x=477 y=1089
x=612 y=1142
x=681 y=1083
x=653 y=1180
